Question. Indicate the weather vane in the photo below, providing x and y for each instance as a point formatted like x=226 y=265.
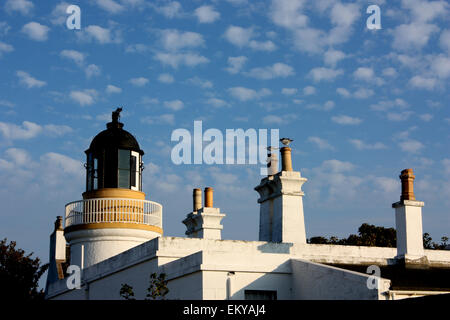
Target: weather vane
x=116 y=115
x=286 y=141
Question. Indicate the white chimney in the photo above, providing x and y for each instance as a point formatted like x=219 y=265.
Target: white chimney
x=281 y=204
x=408 y=221
x=204 y=222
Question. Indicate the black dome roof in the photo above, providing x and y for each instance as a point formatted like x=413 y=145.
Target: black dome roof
x=115 y=137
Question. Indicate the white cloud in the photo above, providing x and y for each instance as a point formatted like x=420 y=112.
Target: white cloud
x=343 y=92
x=411 y=146
x=425 y=11
x=324 y=74
x=206 y=14
x=327 y=106
x=446 y=164
x=390 y=72
x=113 y=89
x=206 y=84
x=440 y=66
x=361 y=145
x=288 y=13
x=426 y=117
x=399 y=116
x=387 y=185
x=57 y=162
x=277 y=70
x=235 y=64
x=278 y=120
x=337 y=166
x=174 y=105
x=30 y=82
x=176 y=59
x=412 y=36
x=174 y=40
x=238 y=36
x=309 y=40
x=389 y=104
x=75 y=56
x=322 y=144
x=444 y=40
x=363 y=73
x=110 y=6
x=242 y=37
x=137 y=48
x=58 y=15
x=172 y=10
x=309 y=90
x=423 y=82
x=166 y=118
x=57 y=130
x=368 y=75
x=36 y=31
x=23 y=6
x=346 y=120
x=26 y=131
x=262 y=45
x=246 y=94
x=92 y=70
x=166 y=78
x=332 y=57
x=217 y=103
x=363 y=93
x=4 y=47
x=139 y=82
x=85 y=97
x=4 y=28
x=6 y=103
x=99 y=34
x=289 y=91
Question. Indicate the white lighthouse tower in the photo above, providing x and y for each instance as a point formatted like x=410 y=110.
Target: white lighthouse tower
x=113 y=215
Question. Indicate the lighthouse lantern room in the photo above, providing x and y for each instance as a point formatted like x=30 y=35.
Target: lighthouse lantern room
x=114 y=215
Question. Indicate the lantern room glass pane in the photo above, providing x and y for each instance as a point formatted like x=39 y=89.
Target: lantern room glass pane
x=133 y=171
x=124 y=159
x=124 y=179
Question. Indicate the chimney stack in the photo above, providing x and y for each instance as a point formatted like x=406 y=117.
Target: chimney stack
x=408 y=223
x=407 y=178
x=286 y=161
x=281 y=217
x=209 y=197
x=272 y=161
x=204 y=222
x=197 y=197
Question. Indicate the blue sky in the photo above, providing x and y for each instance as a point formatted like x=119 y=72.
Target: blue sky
x=361 y=105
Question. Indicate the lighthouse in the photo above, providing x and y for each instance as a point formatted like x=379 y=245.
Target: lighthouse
x=113 y=215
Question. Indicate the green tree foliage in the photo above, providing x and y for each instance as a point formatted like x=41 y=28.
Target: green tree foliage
x=368 y=235
x=373 y=236
x=19 y=273
x=127 y=292
x=157 y=288
x=429 y=244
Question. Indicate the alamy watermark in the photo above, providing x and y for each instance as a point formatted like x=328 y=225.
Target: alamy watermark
x=373 y=282
x=374 y=21
x=74 y=280
x=73 y=21
x=212 y=146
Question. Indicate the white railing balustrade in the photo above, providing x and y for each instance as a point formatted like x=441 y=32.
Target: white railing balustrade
x=104 y=210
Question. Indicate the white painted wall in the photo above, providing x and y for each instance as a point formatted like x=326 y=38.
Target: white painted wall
x=200 y=269
x=318 y=281
x=408 y=223
x=101 y=244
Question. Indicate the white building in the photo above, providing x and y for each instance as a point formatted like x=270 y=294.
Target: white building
x=116 y=236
